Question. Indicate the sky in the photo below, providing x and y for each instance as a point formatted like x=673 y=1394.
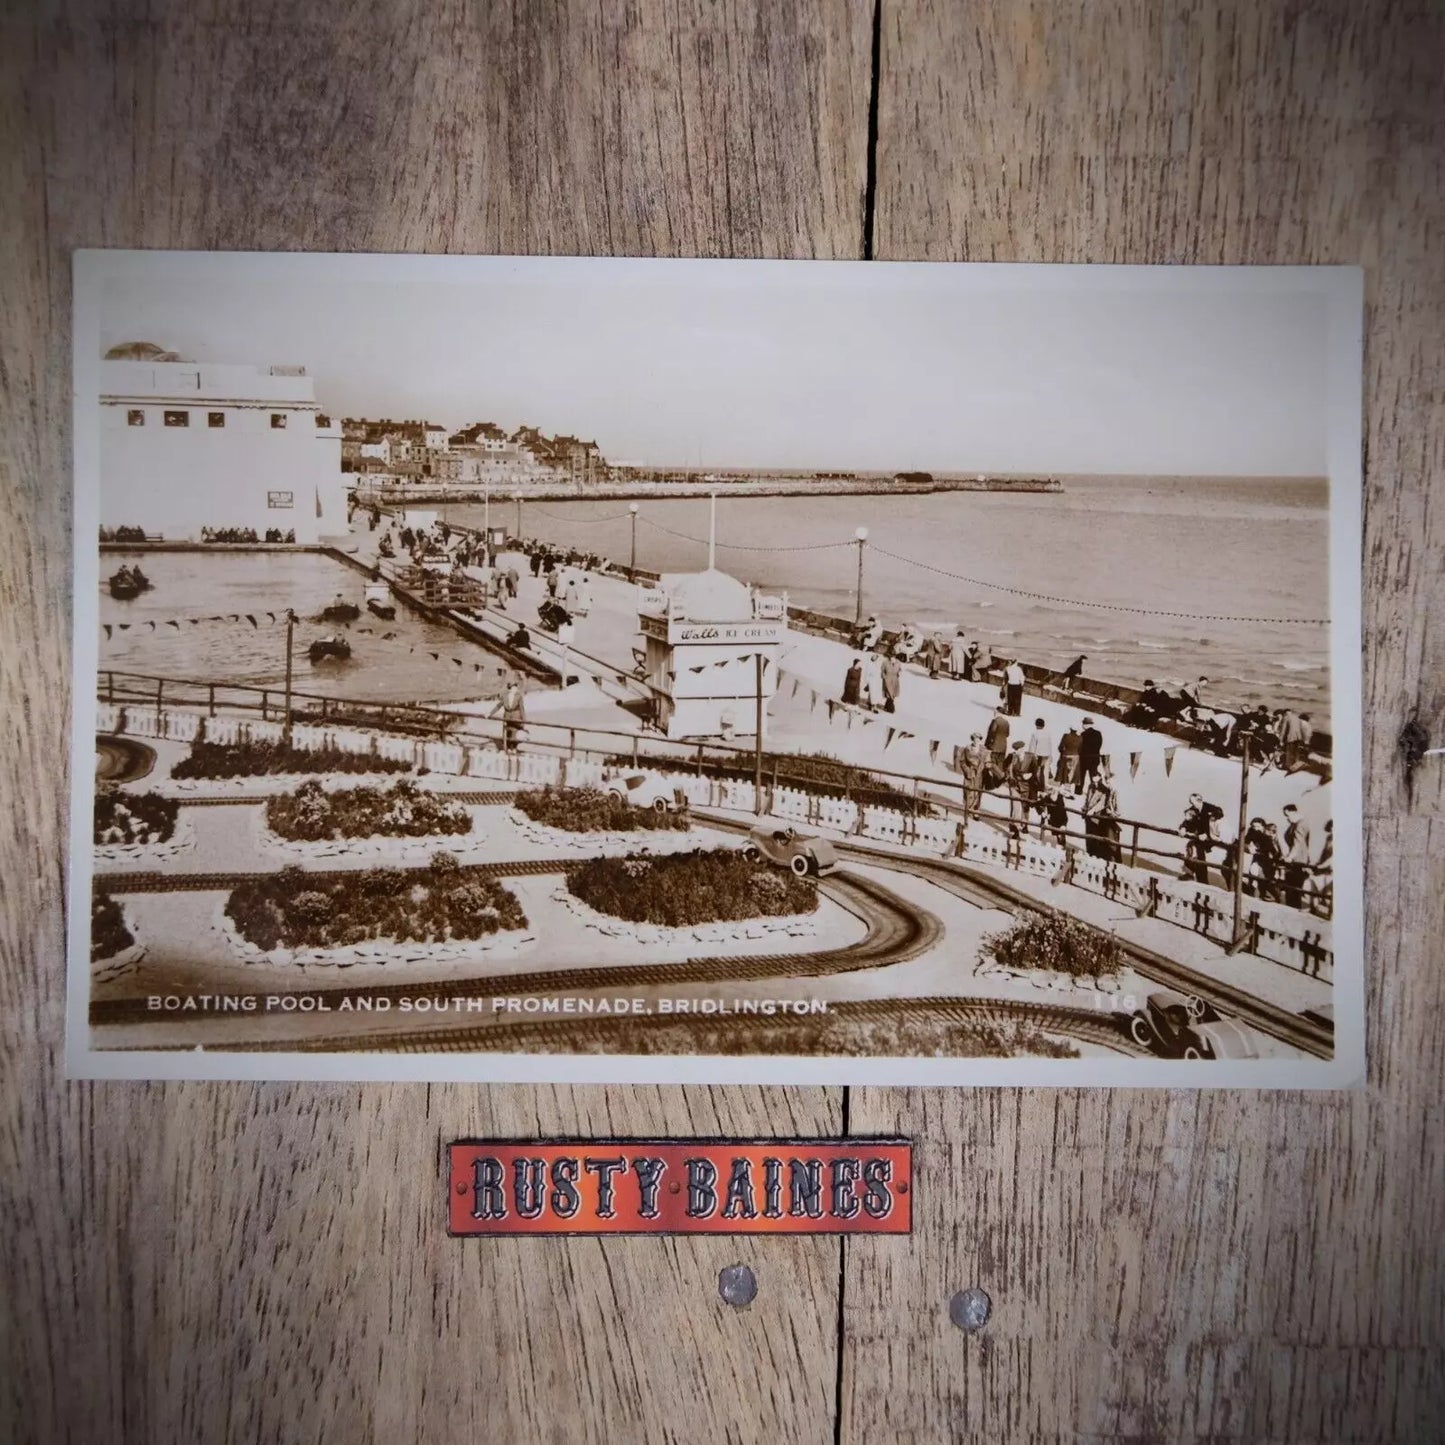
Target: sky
x=823 y=366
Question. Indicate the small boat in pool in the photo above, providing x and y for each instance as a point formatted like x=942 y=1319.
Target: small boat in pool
x=329 y=649
x=379 y=601
x=128 y=583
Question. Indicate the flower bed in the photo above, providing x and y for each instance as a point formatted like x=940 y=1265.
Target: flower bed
x=256 y=759
x=1056 y=943
x=435 y=904
x=122 y=818
x=808 y=772
x=590 y=810
x=311 y=814
x=690 y=888
x=109 y=934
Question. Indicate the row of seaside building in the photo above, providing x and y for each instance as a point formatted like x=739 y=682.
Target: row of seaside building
x=186 y=445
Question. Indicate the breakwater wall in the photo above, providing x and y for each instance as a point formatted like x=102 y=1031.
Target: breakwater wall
x=400 y=494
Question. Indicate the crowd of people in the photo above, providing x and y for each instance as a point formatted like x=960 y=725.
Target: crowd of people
x=1281 y=737
x=122 y=534
x=1284 y=862
x=1065 y=791
x=1040 y=777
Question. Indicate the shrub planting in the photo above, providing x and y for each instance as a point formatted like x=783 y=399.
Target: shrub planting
x=590 y=810
x=690 y=888
x=1053 y=940
x=258 y=759
x=134 y=817
x=311 y=814
x=108 y=932
x=833 y=1035
x=440 y=903
x=808 y=772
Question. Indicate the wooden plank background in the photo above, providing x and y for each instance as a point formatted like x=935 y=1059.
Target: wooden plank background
x=207 y=1262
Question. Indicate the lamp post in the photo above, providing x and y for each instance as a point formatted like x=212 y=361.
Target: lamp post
x=519 y=516
x=758 y=742
x=632 y=565
x=862 y=535
x=487 y=514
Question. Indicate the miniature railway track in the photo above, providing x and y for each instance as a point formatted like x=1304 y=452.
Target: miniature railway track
x=897 y=931
x=152 y=882
x=629 y=1035
x=988 y=892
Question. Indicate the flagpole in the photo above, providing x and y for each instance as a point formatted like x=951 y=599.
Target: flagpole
x=632 y=565
x=712 y=532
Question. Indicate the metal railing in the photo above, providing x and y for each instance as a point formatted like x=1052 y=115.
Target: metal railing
x=909 y=793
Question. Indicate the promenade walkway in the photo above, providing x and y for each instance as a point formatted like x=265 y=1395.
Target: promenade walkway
x=932 y=714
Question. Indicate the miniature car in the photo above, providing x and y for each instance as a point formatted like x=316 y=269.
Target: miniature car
x=1177 y=1026
x=647 y=790
x=788 y=848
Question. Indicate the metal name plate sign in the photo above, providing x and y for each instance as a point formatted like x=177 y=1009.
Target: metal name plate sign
x=591 y=1186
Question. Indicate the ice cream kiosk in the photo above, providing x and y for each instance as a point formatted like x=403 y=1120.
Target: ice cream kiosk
x=711 y=654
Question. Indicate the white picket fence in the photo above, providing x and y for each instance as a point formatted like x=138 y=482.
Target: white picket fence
x=1287 y=936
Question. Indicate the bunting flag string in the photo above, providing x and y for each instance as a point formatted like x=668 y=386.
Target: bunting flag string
x=111 y=629
x=933 y=746
x=1169 y=761
x=1134 y=764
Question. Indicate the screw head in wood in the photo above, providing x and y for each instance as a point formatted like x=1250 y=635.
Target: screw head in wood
x=737 y=1285
x=969 y=1309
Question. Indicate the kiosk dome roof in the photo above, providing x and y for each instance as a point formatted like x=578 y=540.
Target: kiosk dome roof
x=709 y=596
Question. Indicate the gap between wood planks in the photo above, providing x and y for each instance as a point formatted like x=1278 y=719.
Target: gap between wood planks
x=870 y=196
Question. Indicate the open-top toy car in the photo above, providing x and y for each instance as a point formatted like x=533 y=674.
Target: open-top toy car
x=1180 y=1026
x=788 y=848
x=647 y=790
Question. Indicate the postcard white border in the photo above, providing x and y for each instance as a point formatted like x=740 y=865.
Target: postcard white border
x=1343 y=290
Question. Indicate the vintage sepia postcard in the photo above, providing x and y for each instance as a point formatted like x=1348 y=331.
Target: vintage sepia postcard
x=565 y=669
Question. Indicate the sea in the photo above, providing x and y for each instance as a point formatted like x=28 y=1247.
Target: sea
x=1150 y=578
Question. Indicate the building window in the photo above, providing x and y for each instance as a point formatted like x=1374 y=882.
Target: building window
x=215 y=418
x=178 y=418
x=322 y=419
x=135 y=418
x=278 y=421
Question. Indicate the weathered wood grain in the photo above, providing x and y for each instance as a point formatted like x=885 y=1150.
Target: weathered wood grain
x=1169 y=1267
x=222 y=1262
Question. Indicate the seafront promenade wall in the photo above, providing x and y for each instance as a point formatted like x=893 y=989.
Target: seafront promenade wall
x=1287 y=936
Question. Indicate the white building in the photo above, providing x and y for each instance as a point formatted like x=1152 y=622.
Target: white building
x=186 y=445
x=703 y=634
x=434 y=438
